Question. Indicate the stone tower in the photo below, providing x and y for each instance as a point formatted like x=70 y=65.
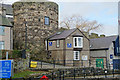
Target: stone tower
x=41 y=19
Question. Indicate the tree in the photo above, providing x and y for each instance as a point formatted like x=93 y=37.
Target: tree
x=81 y=23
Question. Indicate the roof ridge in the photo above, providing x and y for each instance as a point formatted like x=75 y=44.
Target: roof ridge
x=106 y=37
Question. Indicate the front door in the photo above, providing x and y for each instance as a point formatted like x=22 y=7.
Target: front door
x=99 y=63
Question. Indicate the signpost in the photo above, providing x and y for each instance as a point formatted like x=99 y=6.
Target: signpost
x=5 y=68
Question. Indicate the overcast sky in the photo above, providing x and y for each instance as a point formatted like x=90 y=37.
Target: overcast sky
x=105 y=13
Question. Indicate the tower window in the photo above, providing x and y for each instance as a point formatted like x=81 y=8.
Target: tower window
x=46 y=20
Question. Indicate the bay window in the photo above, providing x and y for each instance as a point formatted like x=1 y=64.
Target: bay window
x=78 y=42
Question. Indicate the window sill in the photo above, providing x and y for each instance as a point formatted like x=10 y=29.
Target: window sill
x=77 y=49
x=76 y=60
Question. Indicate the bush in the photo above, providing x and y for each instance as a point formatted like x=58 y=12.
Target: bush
x=11 y=54
x=16 y=54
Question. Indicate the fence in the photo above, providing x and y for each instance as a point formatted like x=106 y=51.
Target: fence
x=70 y=70
x=72 y=64
x=80 y=74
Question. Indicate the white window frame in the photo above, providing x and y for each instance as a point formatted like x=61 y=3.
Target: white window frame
x=78 y=53
x=78 y=42
x=58 y=43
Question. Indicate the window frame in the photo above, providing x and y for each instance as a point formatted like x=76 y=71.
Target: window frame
x=75 y=56
x=45 y=20
x=57 y=43
x=3 y=45
x=74 y=43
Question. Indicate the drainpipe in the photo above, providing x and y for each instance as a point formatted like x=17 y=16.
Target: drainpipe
x=64 y=51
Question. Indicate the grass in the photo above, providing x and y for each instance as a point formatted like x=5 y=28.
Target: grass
x=26 y=73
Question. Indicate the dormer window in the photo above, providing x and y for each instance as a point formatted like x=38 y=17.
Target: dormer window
x=78 y=42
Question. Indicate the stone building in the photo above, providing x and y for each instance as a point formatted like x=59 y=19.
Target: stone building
x=104 y=52
x=41 y=19
x=70 y=47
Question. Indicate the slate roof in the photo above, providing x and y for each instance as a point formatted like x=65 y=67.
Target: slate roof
x=5 y=21
x=102 y=43
x=62 y=35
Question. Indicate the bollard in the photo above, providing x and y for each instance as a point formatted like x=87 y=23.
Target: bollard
x=105 y=73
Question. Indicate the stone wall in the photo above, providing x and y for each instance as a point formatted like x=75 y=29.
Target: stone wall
x=33 y=14
x=22 y=64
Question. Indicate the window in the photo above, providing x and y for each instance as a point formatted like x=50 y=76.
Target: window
x=2 y=30
x=117 y=49
x=1 y=45
x=39 y=20
x=76 y=55
x=46 y=20
x=58 y=43
x=78 y=42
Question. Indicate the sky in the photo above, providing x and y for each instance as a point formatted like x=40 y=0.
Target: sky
x=104 y=12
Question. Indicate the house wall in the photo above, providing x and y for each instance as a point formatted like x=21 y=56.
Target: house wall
x=63 y=52
x=7 y=38
x=98 y=54
x=111 y=52
x=56 y=53
x=93 y=61
x=53 y=47
x=84 y=51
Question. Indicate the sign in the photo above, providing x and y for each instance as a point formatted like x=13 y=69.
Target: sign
x=33 y=64
x=5 y=68
x=50 y=43
x=111 y=56
x=84 y=57
x=69 y=45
